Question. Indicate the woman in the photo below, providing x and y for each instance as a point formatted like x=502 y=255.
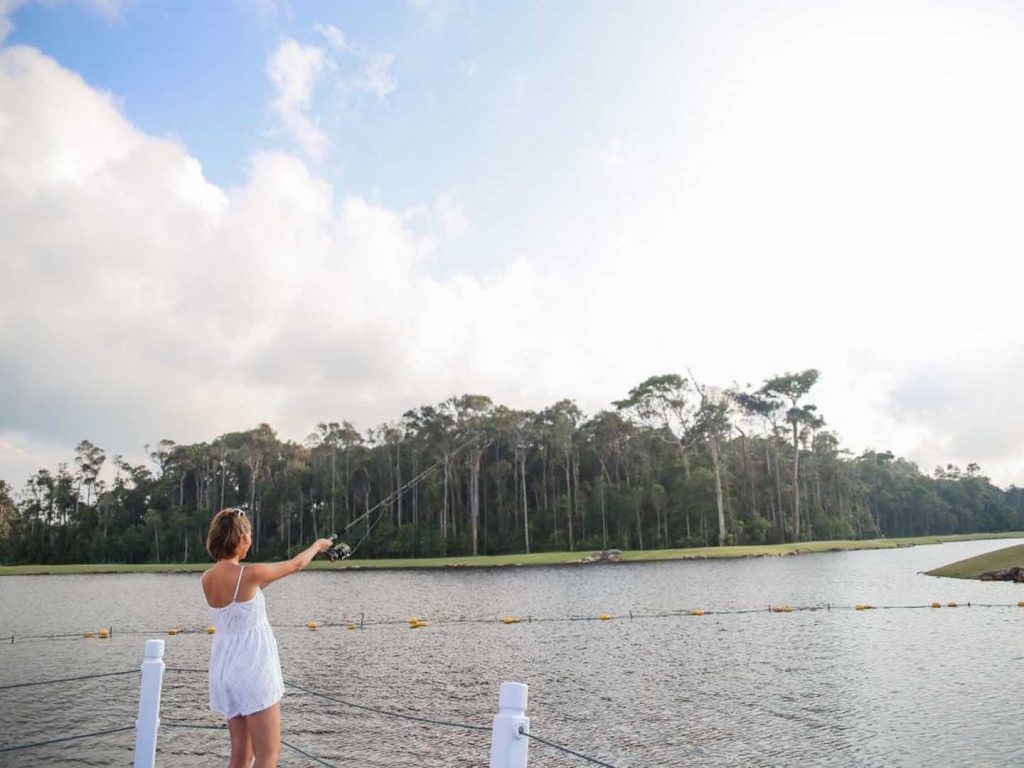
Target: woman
x=245 y=673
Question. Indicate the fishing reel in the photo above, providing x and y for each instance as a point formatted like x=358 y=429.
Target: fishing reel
x=339 y=551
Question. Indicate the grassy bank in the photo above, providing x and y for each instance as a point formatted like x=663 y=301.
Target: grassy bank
x=542 y=558
x=973 y=567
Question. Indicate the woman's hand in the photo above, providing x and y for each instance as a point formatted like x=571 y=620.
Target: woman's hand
x=322 y=545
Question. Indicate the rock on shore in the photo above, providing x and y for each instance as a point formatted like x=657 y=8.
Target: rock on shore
x=1009 y=574
x=604 y=556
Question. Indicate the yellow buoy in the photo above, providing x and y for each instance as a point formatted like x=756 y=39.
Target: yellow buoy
x=312 y=625
x=104 y=634
x=936 y=605
x=510 y=620
x=413 y=621
x=1020 y=603
x=172 y=631
x=88 y=634
x=351 y=626
x=419 y=624
x=862 y=607
x=696 y=612
x=211 y=629
x=951 y=605
x=604 y=616
x=781 y=609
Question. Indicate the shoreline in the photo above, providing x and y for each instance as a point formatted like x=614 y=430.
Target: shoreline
x=532 y=560
x=973 y=567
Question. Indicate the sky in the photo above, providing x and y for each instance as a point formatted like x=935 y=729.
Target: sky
x=217 y=214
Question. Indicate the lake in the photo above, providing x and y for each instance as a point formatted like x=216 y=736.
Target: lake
x=839 y=688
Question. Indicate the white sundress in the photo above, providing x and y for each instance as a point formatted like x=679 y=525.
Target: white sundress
x=245 y=671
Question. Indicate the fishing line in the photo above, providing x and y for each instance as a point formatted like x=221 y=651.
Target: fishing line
x=343 y=551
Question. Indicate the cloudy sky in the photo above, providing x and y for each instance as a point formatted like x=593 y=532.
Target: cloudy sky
x=217 y=214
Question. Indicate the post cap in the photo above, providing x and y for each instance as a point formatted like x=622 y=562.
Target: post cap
x=513 y=696
x=154 y=649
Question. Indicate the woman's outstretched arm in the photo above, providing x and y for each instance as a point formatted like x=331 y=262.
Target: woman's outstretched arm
x=267 y=573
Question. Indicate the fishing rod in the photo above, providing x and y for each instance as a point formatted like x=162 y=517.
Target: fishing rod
x=342 y=551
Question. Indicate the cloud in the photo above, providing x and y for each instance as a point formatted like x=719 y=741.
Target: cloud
x=140 y=301
x=7 y=8
x=333 y=35
x=297 y=71
x=375 y=76
x=435 y=12
x=294 y=71
x=791 y=205
x=110 y=9
x=965 y=411
x=450 y=213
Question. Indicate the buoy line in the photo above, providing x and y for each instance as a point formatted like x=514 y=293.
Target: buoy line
x=420 y=622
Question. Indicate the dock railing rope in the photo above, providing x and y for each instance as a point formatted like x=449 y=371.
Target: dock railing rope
x=510 y=730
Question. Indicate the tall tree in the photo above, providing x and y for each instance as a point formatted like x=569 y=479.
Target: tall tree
x=791 y=388
x=713 y=422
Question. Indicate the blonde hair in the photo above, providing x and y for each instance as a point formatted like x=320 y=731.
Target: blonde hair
x=226 y=531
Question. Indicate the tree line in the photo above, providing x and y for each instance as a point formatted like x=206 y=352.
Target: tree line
x=675 y=463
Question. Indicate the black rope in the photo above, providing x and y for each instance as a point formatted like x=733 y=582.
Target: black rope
x=197 y=726
x=69 y=679
x=559 y=747
x=200 y=727
x=33 y=745
x=362 y=706
x=311 y=757
x=415 y=718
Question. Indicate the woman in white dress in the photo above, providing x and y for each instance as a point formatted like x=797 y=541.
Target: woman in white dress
x=245 y=672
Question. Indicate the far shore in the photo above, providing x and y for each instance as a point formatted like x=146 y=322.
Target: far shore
x=974 y=567
x=537 y=559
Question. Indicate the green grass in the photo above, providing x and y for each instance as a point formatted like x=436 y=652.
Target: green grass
x=542 y=558
x=973 y=567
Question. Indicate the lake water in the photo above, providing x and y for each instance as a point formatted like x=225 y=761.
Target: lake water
x=836 y=688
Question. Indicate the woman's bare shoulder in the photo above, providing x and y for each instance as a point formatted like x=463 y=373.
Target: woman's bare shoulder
x=210 y=574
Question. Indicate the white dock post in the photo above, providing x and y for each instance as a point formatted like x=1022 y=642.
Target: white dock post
x=508 y=746
x=148 y=721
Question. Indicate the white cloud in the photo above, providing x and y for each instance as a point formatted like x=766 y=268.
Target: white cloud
x=266 y=10
x=110 y=9
x=436 y=12
x=294 y=70
x=158 y=305
x=375 y=76
x=7 y=8
x=794 y=203
x=451 y=215
x=297 y=71
x=334 y=36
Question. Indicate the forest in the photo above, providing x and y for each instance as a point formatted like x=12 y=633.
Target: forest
x=675 y=463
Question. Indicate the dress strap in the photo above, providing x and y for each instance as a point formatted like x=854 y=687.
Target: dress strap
x=241 y=570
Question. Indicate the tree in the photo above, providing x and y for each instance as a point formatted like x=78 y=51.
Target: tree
x=488 y=479
x=712 y=421
x=663 y=403
x=560 y=421
x=662 y=406
x=792 y=387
